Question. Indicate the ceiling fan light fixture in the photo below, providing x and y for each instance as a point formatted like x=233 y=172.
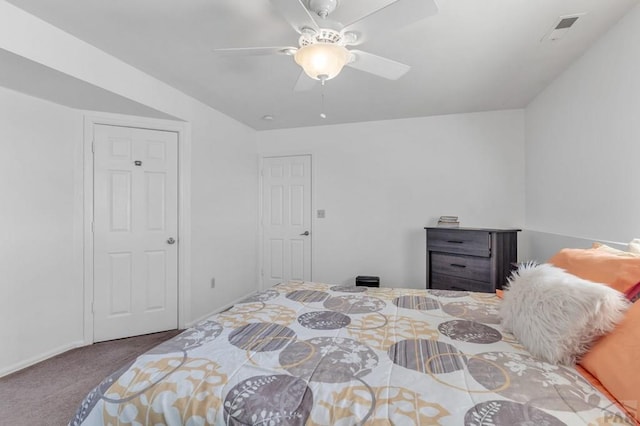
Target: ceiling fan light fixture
x=322 y=61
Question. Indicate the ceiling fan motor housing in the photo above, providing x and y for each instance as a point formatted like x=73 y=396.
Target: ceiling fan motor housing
x=323 y=35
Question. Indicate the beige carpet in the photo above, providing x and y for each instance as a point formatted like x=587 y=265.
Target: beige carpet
x=49 y=393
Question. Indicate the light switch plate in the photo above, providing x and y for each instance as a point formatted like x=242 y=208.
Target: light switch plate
x=321 y=214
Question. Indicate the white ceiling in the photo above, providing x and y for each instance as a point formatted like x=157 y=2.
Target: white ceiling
x=474 y=55
x=32 y=78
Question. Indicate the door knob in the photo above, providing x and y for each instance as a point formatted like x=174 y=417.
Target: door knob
x=305 y=233
x=171 y=241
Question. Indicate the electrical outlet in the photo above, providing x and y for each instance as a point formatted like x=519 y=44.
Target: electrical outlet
x=213 y=282
x=321 y=214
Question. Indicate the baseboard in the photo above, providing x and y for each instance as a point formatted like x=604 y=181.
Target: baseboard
x=218 y=310
x=41 y=357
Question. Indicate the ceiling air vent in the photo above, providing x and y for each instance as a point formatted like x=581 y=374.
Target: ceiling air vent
x=561 y=27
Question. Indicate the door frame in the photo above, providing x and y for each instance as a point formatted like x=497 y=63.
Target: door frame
x=261 y=158
x=183 y=130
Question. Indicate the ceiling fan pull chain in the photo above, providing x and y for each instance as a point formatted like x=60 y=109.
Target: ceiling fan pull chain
x=322 y=114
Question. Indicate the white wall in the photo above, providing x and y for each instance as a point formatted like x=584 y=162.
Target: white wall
x=223 y=193
x=41 y=308
x=583 y=143
x=40 y=255
x=224 y=205
x=382 y=182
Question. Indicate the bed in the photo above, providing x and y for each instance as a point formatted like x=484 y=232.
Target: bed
x=318 y=354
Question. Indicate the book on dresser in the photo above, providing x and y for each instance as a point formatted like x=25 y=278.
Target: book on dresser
x=470 y=259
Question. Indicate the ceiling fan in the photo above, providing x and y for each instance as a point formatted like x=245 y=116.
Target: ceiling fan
x=322 y=46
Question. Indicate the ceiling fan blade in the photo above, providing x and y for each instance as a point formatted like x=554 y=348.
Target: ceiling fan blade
x=296 y=14
x=377 y=65
x=255 y=51
x=392 y=16
x=304 y=83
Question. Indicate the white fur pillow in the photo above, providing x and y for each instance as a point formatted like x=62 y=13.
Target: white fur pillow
x=556 y=315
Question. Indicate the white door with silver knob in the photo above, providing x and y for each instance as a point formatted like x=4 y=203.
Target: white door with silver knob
x=135 y=231
x=286 y=219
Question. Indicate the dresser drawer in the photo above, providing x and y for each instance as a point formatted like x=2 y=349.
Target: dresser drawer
x=471 y=267
x=448 y=282
x=476 y=243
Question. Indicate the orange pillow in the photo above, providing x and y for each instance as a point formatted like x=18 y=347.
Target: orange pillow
x=613 y=360
x=602 y=266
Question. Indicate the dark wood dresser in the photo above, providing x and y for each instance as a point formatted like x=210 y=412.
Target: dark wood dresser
x=470 y=259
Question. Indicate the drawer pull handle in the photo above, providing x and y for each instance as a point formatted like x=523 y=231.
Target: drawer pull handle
x=457 y=265
x=455 y=242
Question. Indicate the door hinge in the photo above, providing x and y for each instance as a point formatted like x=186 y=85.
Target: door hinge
x=93 y=146
x=93 y=226
x=93 y=311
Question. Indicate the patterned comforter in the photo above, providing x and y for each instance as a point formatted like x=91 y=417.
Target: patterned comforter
x=315 y=354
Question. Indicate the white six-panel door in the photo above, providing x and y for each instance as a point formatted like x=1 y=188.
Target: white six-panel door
x=286 y=219
x=135 y=231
